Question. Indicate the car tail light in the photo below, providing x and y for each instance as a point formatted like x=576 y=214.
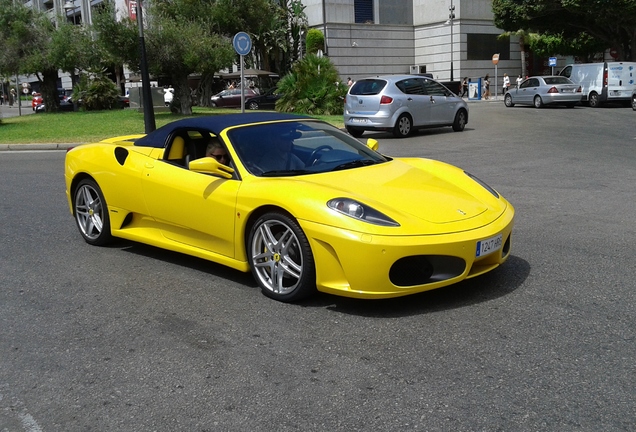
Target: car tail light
x=579 y=90
x=385 y=100
x=553 y=90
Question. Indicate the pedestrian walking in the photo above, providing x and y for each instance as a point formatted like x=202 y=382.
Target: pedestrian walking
x=487 y=87
x=506 y=84
x=464 y=87
x=11 y=97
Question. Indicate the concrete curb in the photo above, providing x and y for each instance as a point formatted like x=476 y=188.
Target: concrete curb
x=24 y=147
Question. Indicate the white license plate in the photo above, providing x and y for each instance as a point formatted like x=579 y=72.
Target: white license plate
x=488 y=246
x=567 y=91
x=358 y=120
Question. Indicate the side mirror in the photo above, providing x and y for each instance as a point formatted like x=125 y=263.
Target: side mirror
x=208 y=165
x=373 y=144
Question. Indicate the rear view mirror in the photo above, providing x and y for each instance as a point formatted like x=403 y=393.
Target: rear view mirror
x=208 y=165
x=373 y=144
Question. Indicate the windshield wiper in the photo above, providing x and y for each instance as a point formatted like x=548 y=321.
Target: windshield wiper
x=355 y=164
x=286 y=173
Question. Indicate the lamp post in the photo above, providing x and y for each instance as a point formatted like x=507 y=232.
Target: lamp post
x=149 y=112
x=451 y=17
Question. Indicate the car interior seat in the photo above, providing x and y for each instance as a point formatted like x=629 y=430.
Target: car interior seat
x=177 y=153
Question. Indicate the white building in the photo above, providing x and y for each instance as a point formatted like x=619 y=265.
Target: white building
x=371 y=37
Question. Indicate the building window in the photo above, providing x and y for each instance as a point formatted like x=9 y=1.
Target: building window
x=363 y=10
x=483 y=46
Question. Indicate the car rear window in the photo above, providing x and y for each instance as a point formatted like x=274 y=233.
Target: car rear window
x=557 y=80
x=367 y=87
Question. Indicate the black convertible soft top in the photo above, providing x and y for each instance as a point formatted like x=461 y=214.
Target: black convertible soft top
x=214 y=124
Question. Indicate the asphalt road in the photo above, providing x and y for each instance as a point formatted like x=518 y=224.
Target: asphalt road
x=131 y=338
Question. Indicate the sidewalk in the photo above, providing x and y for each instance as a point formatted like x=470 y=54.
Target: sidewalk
x=23 y=147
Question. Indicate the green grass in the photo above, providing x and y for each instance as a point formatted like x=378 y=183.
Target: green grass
x=84 y=126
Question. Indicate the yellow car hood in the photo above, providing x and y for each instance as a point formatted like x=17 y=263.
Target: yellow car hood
x=423 y=196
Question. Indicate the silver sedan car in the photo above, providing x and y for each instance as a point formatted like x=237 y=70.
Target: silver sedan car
x=544 y=90
x=401 y=104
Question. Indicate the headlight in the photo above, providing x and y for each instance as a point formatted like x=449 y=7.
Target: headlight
x=360 y=211
x=488 y=188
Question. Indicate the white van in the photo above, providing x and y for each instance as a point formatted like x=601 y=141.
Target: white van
x=603 y=82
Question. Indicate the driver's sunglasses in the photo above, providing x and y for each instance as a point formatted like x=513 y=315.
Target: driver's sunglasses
x=220 y=157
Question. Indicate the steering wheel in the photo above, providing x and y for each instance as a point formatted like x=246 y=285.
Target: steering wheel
x=312 y=156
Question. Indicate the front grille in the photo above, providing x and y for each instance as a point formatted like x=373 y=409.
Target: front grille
x=425 y=269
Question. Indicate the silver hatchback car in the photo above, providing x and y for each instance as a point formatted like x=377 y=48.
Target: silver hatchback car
x=401 y=104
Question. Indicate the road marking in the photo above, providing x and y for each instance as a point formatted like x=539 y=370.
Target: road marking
x=29 y=423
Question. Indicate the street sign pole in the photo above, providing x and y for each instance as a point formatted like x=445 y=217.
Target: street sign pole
x=242 y=45
x=495 y=61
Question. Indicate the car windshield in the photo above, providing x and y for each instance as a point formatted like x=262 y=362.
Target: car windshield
x=299 y=148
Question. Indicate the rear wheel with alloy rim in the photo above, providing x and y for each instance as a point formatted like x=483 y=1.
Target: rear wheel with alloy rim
x=281 y=259
x=634 y=101
x=403 y=126
x=91 y=213
x=594 y=100
x=538 y=103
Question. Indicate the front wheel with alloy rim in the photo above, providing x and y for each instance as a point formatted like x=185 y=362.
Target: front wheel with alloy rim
x=508 y=100
x=403 y=126
x=280 y=258
x=461 y=118
x=91 y=213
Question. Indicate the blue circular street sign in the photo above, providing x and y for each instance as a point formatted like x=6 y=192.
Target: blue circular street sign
x=242 y=43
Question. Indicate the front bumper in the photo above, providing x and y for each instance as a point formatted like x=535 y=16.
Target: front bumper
x=353 y=264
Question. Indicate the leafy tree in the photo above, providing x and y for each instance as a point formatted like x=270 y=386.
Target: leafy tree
x=178 y=47
x=96 y=91
x=118 y=41
x=578 y=27
x=312 y=87
x=315 y=41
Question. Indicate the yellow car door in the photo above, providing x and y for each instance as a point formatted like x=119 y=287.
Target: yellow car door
x=192 y=208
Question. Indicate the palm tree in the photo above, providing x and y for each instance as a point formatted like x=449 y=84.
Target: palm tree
x=524 y=36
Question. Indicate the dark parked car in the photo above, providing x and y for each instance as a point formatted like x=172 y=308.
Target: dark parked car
x=64 y=94
x=231 y=98
x=265 y=101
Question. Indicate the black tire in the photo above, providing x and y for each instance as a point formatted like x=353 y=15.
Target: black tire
x=508 y=100
x=594 y=100
x=91 y=213
x=403 y=126
x=461 y=118
x=354 y=132
x=280 y=258
x=253 y=105
x=538 y=102
x=634 y=102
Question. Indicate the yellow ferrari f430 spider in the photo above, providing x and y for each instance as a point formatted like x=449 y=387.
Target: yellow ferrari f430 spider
x=301 y=204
